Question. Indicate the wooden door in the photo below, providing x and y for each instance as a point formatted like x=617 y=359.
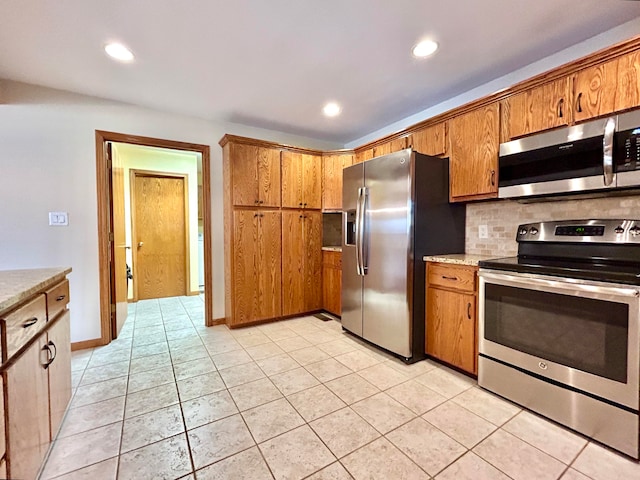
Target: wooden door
x=292 y=183
x=119 y=282
x=473 y=154
x=429 y=140
x=312 y=181
x=541 y=108
x=451 y=327
x=159 y=220
x=595 y=90
x=246 y=265
x=628 y=91
x=268 y=177
x=244 y=179
x=269 y=264
x=293 y=259
x=27 y=411
x=332 y=180
x=59 y=371
x=312 y=261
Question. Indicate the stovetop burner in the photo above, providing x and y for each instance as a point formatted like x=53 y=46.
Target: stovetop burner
x=600 y=250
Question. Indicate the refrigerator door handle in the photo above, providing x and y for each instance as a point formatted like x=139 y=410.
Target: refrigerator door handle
x=362 y=199
x=357 y=235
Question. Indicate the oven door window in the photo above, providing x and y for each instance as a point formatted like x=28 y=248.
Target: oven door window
x=582 y=333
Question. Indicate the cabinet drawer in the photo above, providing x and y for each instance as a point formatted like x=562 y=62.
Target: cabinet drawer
x=22 y=324
x=57 y=299
x=452 y=276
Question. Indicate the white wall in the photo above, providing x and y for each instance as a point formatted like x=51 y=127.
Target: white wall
x=167 y=161
x=47 y=163
x=608 y=38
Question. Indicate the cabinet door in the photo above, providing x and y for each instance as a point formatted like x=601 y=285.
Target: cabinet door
x=27 y=411
x=363 y=155
x=451 y=328
x=332 y=180
x=269 y=270
x=429 y=140
x=59 y=371
x=628 y=91
x=595 y=91
x=474 y=142
x=312 y=181
x=293 y=280
x=246 y=262
x=268 y=177
x=540 y=108
x=391 y=146
x=331 y=282
x=292 y=183
x=313 y=261
x=244 y=181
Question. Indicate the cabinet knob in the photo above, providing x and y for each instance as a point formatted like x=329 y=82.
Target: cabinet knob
x=560 y=105
x=300 y=204
x=493 y=178
x=140 y=244
x=60 y=298
x=469 y=310
x=449 y=278
x=32 y=321
x=579 y=103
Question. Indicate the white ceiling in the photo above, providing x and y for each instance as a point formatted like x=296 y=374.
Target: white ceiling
x=273 y=64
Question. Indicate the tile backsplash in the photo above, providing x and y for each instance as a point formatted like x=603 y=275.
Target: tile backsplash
x=331 y=229
x=502 y=217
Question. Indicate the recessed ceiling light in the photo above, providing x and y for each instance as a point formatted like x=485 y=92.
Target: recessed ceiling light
x=332 y=109
x=119 y=52
x=425 y=48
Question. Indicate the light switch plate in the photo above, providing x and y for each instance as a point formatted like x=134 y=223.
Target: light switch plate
x=483 y=231
x=58 y=219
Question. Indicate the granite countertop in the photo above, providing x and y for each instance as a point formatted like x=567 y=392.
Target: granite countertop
x=332 y=249
x=18 y=285
x=457 y=258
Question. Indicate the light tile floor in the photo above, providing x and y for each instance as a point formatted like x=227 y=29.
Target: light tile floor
x=291 y=400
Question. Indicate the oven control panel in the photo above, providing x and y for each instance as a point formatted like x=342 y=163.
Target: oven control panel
x=581 y=231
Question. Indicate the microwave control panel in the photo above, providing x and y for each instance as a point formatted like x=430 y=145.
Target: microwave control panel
x=627 y=150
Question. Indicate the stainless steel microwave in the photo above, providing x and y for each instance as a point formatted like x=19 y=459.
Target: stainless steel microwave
x=599 y=155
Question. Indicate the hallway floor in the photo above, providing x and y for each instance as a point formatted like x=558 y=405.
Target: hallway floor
x=295 y=399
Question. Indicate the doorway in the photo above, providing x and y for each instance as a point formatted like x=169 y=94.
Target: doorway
x=113 y=242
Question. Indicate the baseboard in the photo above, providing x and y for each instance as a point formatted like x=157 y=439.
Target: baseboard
x=216 y=321
x=274 y=319
x=193 y=293
x=96 y=342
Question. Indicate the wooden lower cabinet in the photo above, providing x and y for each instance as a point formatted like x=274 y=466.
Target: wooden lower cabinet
x=27 y=411
x=59 y=372
x=451 y=320
x=332 y=282
x=301 y=261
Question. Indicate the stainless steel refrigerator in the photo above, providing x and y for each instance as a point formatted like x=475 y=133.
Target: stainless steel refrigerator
x=395 y=211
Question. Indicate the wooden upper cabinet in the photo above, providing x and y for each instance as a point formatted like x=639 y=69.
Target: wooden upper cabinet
x=628 y=92
x=363 y=155
x=391 y=146
x=594 y=91
x=256 y=175
x=301 y=180
x=540 y=108
x=473 y=154
x=332 y=166
x=430 y=140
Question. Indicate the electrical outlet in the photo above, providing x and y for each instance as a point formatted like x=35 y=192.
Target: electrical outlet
x=483 y=231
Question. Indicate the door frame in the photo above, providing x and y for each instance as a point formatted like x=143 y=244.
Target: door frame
x=105 y=246
x=133 y=173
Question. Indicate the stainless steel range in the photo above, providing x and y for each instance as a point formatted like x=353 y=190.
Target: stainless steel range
x=559 y=326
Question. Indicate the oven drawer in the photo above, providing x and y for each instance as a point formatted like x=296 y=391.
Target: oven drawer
x=23 y=324
x=57 y=299
x=455 y=277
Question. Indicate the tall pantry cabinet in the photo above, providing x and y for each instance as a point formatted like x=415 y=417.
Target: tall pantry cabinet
x=273 y=231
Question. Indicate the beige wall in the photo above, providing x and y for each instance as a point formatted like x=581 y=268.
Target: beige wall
x=503 y=217
x=168 y=161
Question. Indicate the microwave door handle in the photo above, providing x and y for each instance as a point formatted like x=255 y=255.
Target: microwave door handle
x=607 y=148
x=363 y=232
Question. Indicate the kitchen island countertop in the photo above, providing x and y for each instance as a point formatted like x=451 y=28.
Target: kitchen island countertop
x=332 y=249
x=18 y=285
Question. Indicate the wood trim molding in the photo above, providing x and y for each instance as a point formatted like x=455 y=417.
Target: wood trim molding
x=102 y=181
x=216 y=321
x=96 y=342
x=267 y=144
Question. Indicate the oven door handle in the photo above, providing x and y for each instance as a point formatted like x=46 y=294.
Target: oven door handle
x=566 y=284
